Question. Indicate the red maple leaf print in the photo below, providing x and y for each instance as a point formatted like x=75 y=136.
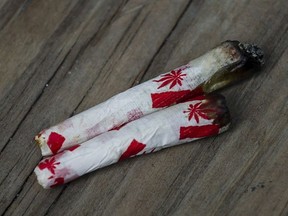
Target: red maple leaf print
x=173 y=78
x=198 y=110
x=134 y=148
x=49 y=164
x=55 y=142
x=193 y=132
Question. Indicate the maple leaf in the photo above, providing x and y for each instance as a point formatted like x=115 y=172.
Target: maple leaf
x=199 y=110
x=48 y=164
x=173 y=78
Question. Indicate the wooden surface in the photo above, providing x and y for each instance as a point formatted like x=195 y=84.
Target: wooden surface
x=58 y=58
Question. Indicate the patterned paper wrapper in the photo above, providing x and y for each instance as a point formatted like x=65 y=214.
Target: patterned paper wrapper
x=153 y=95
x=200 y=117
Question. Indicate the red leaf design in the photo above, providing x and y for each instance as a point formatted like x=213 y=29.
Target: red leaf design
x=199 y=110
x=196 y=118
x=55 y=142
x=165 y=99
x=166 y=82
x=48 y=164
x=174 y=77
x=198 y=131
x=203 y=115
x=133 y=149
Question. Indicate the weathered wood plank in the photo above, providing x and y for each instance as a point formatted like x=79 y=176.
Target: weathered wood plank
x=98 y=49
x=80 y=76
x=10 y=9
x=24 y=37
x=25 y=90
x=57 y=50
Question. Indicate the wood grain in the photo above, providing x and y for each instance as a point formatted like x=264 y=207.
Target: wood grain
x=58 y=58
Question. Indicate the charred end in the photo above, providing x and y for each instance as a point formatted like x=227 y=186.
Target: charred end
x=247 y=58
x=252 y=52
x=220 y=112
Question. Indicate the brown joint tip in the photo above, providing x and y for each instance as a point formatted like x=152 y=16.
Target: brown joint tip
x=224 y=118
x=217 y=102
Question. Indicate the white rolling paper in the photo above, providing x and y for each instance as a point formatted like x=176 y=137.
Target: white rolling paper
x=188 y=121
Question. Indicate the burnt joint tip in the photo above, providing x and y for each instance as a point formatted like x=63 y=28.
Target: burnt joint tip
x=223 y=117
x=253 y=52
